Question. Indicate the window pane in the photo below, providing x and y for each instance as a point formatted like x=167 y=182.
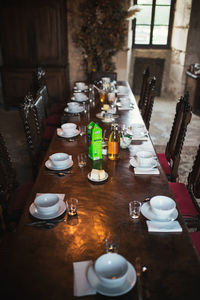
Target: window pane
x=142 y=35
x=162 y=15
x=165 y=2
x=144 y=16
x=144 y=2
x=160 y=34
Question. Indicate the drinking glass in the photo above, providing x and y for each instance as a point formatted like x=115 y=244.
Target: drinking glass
x=134 y=209
x=82 y=160
x=72 y=207
x=82 y=129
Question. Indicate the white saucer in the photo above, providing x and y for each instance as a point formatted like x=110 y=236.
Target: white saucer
x=82 y=100
x=147 y=213
x=108 y=120
x=134 y=163
x=50 y=166
x=61 y=133
x=79 y=110
x=117 y=291
x=106 y=177
x=33 y=211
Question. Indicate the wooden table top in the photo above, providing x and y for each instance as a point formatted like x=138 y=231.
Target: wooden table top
x=38 y=263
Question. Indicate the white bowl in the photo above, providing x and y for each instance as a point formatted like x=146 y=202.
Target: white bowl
x=47 y=203
x=80 y=96
x=60 y=159
x=80 y=85
x=68 y=127
x=73 y=106
x=162 y=206
x=111 y=269
x=145 y=158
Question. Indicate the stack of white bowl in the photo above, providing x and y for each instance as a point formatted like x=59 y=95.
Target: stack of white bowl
x=69 y=129
x=60 y=160
x=47 y=204
x=111 y=270
x=162 y=206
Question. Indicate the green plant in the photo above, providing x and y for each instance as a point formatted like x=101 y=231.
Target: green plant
x=99 y=30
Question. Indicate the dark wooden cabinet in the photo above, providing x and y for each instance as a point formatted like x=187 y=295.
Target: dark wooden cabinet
x=33 y=33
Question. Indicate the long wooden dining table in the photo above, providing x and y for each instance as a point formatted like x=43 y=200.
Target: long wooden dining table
x=37 y=263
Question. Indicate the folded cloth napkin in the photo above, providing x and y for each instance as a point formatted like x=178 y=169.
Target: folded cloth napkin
x=153 y=171
x=141 y=138
x=125 y=108
x=81 y=285
x=172 y=226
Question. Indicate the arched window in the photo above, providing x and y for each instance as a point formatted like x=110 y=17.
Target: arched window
x=153 y=24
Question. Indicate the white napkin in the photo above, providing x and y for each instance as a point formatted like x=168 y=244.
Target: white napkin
x=153 y=171
x=81 y=285
x=172 y=226
x=125 y=108
x=142 y=138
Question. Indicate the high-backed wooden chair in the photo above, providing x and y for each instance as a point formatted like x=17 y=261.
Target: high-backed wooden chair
x=186 y=195
x=13 y=196
x=145 y=80
x=170 y=160
x=33 y=132
x=147 y=107
x=96 y=76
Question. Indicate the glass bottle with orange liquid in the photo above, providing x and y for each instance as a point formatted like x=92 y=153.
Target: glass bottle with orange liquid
x=114 y=143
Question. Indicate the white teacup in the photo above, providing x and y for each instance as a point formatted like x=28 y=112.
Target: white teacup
x=80 y=85
x=68 y=128
x=125 y=101
x=145 y=158
x=60 y=159
x=73 y=106
x=79 y=96
x=105 y=79
x=47 y=204
x=138 y=129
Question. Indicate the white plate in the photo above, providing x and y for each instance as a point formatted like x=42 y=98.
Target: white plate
x=147 y=213
x=134 y=163
x=61 y=133
x=50 y=166
x=82 y=100
x=106 y=177
x=79 y=110
x=33 y=211
x=117 y=291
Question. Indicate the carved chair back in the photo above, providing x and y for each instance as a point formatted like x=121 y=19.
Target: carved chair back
x=147 y=107
x=193 y=185
x=39 y=79
x=177 y=136
x=32 y=130
x=145 y=80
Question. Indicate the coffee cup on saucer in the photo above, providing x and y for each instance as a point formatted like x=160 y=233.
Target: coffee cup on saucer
x=68 y=128
x=80 y=96
x=60 y=160
x=80 y=85
x=144 y=159
x=73 y=106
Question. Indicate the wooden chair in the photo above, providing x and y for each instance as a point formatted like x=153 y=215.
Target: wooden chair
x=170 y=160
x=96 y=76
x=13 y=196
x=145 y=80
x=195 y=236
x=147 y=107
x=186 y=195
x=33 y=132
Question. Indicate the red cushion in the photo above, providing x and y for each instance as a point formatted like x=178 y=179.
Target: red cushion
x=53 y=119
x=21 y=196
x=48 y=133
x=164 y=163
x=183 y=199
x=196 y=240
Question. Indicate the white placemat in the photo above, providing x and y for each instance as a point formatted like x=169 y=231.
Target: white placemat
x=81 y=285
x=172 y=226
x=154 y=171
